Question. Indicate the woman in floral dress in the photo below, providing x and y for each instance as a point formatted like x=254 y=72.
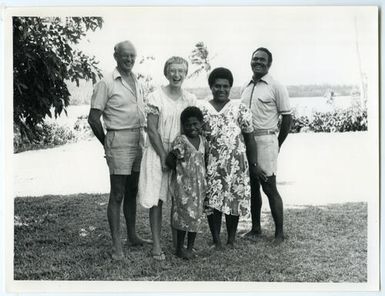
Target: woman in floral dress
x=163 y=125
x=229 y=132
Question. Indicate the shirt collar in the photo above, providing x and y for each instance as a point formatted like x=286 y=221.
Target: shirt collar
x=116 y=74
x=266 y=79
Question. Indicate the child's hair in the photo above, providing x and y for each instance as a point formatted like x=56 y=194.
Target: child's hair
x=191 y=112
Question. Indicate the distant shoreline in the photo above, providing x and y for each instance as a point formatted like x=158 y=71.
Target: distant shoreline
x=295 y=91
x=81 y=95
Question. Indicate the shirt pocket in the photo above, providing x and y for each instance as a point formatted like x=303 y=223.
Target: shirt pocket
x=266 y=101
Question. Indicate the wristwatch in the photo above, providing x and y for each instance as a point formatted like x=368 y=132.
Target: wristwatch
x=254 y=164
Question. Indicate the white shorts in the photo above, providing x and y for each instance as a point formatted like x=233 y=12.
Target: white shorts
x=267 y=150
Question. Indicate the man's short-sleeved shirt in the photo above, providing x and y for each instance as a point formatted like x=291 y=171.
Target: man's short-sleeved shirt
x=122 y=107
x=267 y=100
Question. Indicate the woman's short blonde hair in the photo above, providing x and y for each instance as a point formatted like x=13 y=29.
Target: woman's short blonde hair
x=174 y=60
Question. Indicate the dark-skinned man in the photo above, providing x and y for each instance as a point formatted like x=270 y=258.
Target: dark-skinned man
x=268 y=100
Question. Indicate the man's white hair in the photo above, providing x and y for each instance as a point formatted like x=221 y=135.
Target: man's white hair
x=119 y=45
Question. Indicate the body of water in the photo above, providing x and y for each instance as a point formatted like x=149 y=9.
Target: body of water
x=308 y=105
x=302 y=105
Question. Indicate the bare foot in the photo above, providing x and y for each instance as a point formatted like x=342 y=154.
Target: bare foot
x=278 y=240
x=184 y=254
x=192 y=252
x=117 y=251
x=253 y=233
x=217 y=247
x=138 y=241
x=231 y=244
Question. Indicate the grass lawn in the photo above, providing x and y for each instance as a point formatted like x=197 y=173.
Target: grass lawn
x=67 y=238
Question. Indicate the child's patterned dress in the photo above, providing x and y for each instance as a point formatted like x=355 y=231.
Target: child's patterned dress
x=188 y=185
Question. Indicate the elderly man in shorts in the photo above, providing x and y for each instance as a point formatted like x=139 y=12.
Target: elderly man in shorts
x=118 y=97
x=268 y=100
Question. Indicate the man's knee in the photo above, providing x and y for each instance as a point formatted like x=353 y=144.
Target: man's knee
x=116 y=197
x=132 y=185
x=118 y=188
x=270 y=187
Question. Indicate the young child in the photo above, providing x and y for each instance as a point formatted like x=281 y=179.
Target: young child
x=188 y=160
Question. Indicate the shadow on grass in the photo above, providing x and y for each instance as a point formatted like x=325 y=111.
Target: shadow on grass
x=67 y=238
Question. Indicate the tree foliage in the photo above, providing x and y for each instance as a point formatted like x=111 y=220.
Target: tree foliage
x=43 y=60
x=200 y=57
x=145 y=78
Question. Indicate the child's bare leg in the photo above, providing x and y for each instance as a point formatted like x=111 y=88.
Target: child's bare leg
x=215 y=220
x=174 y=236
x=190 y=241
x=173 y=230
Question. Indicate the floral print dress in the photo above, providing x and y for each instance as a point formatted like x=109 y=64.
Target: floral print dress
x=228 y=181
x=188 y=184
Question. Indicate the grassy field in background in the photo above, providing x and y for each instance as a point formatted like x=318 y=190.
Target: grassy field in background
x=67 y=238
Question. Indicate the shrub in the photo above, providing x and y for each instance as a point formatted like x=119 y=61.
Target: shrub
x=82 y=128
x=299 y=123
x=50 y=134
x=347 y=120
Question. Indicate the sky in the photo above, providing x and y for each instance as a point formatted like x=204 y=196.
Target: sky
x=310 y=45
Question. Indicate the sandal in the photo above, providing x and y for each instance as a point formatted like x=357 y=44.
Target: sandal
x=159 y=257
x=117 y=257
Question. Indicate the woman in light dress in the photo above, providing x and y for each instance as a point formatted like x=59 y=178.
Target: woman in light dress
x=164 y=108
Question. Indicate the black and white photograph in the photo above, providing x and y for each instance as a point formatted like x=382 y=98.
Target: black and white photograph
x=192 y=149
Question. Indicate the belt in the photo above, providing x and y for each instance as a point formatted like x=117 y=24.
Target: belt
x=126 y=129
x=264 y=132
